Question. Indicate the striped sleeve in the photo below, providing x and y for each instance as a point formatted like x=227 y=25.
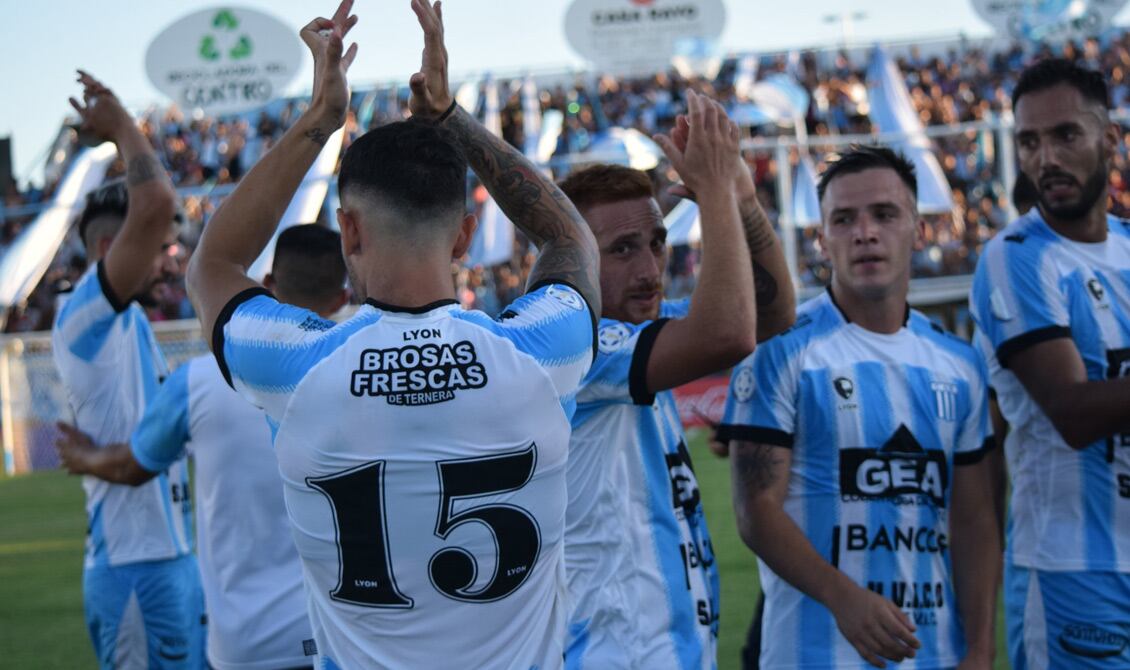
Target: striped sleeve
x=619 y=373
x=89 y=319
x=554 y=325
x=158 y=441
x=264 y=348
x=1017 y=300
x=761 y=405
x=975 y=436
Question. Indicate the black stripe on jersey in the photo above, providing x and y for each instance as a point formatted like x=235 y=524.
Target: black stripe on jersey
x=1008 y=348
x=757 y=434
x=422 y=309
x=592 y=315
x=637 y=372
x=222 y=320
x=108 y=291
x=975 y=456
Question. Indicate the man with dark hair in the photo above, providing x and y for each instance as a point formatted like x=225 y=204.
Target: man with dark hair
x=141 y=589
x=858 y=440
x=254 y=598
x=642 y=576
x=422 y=447
x=1051 y=296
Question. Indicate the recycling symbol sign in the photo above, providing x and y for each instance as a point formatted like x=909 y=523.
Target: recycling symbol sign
x=225 y=23
x=224 y=60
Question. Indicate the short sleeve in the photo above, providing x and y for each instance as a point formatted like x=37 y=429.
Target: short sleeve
x=761 y=405
x=158 y=441
x=553 y=324
x=619 y=373
x=975 y=438
x=264 y=348
x=89 y=318
x=1016 y=299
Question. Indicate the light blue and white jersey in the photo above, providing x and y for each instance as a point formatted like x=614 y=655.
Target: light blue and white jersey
x=422 y=452
x=876 y=423
x=111 y=367
x=249 y=567
x=642 y=577
x=1069 y=509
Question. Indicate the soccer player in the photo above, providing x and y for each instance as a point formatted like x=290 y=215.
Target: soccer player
x=642 y=578
x=248 y=565
x=422 y=447
x=857 y=441
x=141 y=588
x=1051 y=295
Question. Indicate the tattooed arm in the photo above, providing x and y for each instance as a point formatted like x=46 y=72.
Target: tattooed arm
x=152 y=199
x=245 y=223
x=760 y=479
x=773 y=288
x=567 y=248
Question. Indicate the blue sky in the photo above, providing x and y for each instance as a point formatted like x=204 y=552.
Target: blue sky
x=45 y=41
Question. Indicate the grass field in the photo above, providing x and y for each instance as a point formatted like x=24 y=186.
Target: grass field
x=41 y=535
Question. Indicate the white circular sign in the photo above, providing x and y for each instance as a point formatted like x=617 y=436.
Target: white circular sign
x=640 y=34
x=224 y=60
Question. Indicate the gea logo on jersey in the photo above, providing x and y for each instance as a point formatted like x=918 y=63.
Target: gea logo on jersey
x=901 y=467
x=418 y=374
x=684 y=485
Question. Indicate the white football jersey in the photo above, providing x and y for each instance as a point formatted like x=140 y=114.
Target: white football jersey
x=249 y=567
x=111 y=366
x=423 y=456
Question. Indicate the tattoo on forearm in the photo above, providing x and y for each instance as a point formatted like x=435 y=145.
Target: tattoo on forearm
x=535 y=204
x=143 y=168
x=759 y=234
x=317 y=136
x=764 y=286
x=754 y=465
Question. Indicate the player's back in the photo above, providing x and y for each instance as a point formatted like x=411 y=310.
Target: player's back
x=423 y=459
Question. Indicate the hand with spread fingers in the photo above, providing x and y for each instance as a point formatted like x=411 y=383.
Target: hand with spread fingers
x=708 y=157
x=102 y=114
x=74 y=448
x=431 y=95
x=325 y=38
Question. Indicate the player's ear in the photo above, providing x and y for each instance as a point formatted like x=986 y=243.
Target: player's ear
x=466 y=233
x=919 y=232
x=269 y=282
x=1111 y=138
x=350 y=228
x=820 y=247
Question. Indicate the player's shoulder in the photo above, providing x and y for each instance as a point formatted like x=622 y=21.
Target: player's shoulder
x=945 y=341
x=816 y=318
x=1027 y=236
x=1119 y=228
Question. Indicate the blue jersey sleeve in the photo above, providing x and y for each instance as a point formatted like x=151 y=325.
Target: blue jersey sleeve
x=1017 y=300
x=761 y=405
x=158 y=441
x=264 y=348
x=554 y=325
x=619 y=373
x=89 y=319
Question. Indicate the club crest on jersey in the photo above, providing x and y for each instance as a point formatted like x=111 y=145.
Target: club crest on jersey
x=569 y=298
x=423 y=374
x=945 y=400
x=901 y=470
x=743 y=384
x=612 y=337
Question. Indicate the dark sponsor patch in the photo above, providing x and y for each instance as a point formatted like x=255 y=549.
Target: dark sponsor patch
x=1093 y=640
x=423 y=374
x=901 y=467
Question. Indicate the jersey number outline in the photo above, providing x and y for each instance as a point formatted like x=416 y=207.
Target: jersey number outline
x=365 y=573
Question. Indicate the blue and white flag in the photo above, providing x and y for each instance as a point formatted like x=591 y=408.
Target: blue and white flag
x=806 y=203
x=531 y=118
x=29 y=256
x=745 y=75
x=893 y=112
x=305 y=204
x=626 y=146
x=493 y=242
x=683 y=223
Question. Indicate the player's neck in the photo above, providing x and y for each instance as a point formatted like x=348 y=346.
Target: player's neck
x=1091 y=227
x=407 y=280
x=880 y=314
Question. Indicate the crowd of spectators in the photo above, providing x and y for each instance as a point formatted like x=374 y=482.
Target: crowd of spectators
x=962 y=84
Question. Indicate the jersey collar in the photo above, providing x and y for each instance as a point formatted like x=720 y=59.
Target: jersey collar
x=423 y=309
x=847 y=319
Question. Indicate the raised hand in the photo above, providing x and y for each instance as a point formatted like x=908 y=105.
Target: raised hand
x=325 y=38
x=431 y=95
x=102 y=114
x=74 y=448
x=875 y=626
x=710 y=152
